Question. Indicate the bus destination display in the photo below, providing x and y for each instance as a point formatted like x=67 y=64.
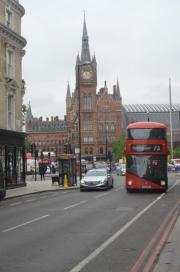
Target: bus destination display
x=146 y=148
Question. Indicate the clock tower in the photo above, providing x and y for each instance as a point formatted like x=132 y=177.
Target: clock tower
x=86 y=83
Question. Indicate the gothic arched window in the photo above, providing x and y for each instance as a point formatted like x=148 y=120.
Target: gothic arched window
x=101 y=150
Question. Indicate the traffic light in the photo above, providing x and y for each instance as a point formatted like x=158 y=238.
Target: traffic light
x=49 y=155
x=65 y=148
x=42 y=156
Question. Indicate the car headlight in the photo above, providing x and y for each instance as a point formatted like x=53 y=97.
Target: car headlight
x=103 y=181
x=82 y=181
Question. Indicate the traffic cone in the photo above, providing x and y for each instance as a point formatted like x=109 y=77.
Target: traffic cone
x=65 y=181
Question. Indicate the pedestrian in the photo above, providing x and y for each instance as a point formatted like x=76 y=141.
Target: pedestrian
x=41 y=171
x=53 y=169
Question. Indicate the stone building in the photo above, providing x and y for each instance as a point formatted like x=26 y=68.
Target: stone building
x=100 y=112
x=12 y=89
x=48 y=135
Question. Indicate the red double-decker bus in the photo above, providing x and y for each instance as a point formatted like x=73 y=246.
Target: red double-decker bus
x=146 y=157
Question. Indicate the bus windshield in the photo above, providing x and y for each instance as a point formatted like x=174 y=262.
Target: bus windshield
x=146 y=133
x=150 y=167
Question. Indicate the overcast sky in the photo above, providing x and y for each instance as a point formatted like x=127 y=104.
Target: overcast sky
x=137 y=42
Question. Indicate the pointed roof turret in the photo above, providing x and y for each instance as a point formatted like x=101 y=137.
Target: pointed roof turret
x=78 y=59
x=68 y=91
x=118 y=89
x=85 y=52
x=94 y=60
x=29 y=111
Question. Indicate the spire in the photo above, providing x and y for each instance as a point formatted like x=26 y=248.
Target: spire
x=94 y=60
x=68 y=91
x=118 y=90
x=85 y=52
x=29 y=111
x=78 y=59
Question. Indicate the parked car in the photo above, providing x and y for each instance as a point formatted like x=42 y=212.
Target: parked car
x=98 y=179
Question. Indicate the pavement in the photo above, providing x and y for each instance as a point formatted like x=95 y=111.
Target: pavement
x=169 y=259
x=33 y=187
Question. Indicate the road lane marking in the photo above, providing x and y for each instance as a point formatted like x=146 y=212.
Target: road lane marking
x=173 y=186
x=137 y=266
x=30 y=200
x=26 y=223
x=157 y=250
x=16 y=203
x=116 y=235
x=75 y=205
x=101 y=195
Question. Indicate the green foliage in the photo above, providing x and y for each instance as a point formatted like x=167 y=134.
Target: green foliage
x=177 y=152
x=118 y=148
x=28 y=144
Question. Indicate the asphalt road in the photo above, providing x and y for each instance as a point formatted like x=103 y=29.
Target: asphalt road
x=84 y=231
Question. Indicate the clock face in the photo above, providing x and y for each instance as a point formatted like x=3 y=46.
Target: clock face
x=86 y=75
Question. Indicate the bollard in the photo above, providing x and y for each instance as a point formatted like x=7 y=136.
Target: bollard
x=65 y=181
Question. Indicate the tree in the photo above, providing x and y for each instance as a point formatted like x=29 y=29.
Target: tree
x=118 y=148
x=177 y=152
x=28 y=144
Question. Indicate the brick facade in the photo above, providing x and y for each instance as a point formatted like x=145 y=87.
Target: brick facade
x=100 y=114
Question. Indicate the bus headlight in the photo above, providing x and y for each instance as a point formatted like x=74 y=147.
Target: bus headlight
x=163 y=183
x=129 y=182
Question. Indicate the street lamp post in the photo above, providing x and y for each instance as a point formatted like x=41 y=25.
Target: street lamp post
x=79 y=104
x=106 y=146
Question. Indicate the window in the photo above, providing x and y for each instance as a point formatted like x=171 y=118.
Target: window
x=88 y=139
x=146 y=133
x=87 y=124
x=9 y=18
x=87 y=103
x=10 y=63
x=11 y=114
x=101 y=150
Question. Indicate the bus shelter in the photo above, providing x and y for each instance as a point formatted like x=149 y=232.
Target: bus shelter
x=66 y=166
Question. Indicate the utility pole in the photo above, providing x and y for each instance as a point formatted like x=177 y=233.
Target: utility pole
x=79 y=100
x=170 y=117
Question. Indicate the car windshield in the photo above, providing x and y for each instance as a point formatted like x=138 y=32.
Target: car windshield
x=152 y=167
x=95 y=173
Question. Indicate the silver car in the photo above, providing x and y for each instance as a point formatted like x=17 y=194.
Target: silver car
x=97 y=179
